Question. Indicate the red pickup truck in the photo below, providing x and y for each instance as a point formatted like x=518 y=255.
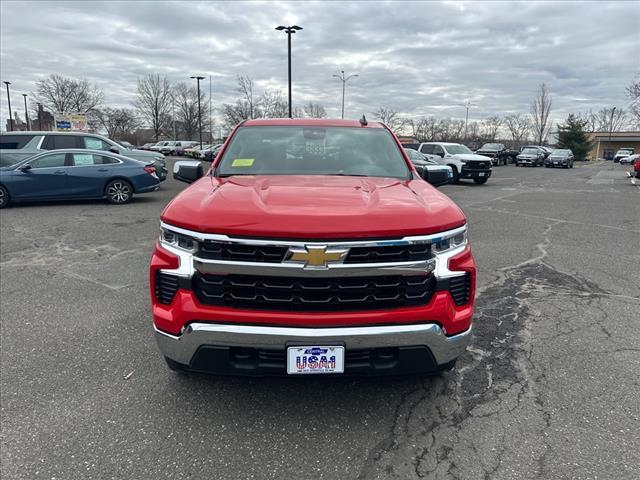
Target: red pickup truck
x=311 y=247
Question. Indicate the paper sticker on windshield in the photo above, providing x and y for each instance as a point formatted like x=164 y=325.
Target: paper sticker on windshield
x=243 y=162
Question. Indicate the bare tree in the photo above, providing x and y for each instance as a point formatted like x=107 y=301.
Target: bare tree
x=154 y=102
x=67 y=95
x=390 y=118
x=273 y=105
x=633 y=93
x=519 y=127
x=540 y=110
x=314 y=110
x=490 y=127
x=473 y=130
x=244 y=108
x=607 y=119
x=119 y=123
x=245 y=87
x=186 y=106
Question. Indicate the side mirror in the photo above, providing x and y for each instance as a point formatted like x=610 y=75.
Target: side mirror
x=25 y=168
x=441 y=154
x=114 y=150
x=187 y=171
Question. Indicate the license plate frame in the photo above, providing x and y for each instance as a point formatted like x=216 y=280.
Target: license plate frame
x=302 y=359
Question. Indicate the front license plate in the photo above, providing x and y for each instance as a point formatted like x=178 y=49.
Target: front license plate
x=481 y=174
x=315 y=359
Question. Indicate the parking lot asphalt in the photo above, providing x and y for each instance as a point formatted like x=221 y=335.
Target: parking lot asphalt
x=549 y=389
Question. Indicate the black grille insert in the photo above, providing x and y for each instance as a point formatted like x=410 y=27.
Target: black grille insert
x=239 y=252
x=166 y=287
x=314 y=294
x=390 y=253
x=460 y=288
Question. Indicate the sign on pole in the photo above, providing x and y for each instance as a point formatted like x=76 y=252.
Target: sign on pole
x=71 y=122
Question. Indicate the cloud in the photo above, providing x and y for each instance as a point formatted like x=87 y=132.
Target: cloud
x=420 y=58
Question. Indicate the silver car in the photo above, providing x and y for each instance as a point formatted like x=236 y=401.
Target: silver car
x=20 y=145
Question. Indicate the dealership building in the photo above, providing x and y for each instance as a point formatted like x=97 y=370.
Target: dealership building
x=606 y=144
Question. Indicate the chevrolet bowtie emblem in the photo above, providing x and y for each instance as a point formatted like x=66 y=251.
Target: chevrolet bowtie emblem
x=316 y=256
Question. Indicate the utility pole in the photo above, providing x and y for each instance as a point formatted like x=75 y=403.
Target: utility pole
x=467 y=105
x=344 y=82
x=9 y=102
x=39 y=116
x=210 y=112
x=289 y=31
x=613 y=110
x=26 y=112
x=198 y=78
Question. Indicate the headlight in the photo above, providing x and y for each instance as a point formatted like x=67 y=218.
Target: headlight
x=450 y=242
x=160 y=158
x=177 y=240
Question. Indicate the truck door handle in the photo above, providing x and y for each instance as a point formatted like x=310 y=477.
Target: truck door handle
x=103 y=169
x=58 y=172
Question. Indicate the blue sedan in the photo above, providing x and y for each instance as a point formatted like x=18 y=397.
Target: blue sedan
x=75 y=174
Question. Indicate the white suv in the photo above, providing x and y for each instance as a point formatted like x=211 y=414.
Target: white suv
x=463 y=162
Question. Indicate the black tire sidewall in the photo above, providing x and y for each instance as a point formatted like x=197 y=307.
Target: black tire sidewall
x=5 y=196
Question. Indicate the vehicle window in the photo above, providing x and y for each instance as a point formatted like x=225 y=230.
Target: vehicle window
x=49 y=161
x=95 y=143
x=438 y=150
x=531 y=151
x=302 y=150
x=14 y=142
x=82 y=159
x=427 y=149
x=58 y=142
x=457 y=149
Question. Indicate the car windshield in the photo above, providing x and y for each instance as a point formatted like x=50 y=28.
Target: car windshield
x=559 y=153
x=311 y=150
x=625 y=151
x=530 y=151
x=492 y=146
x=457 y=149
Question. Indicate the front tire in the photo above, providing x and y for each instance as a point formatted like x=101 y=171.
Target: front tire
x=456 y=175
x=4 y=197
x=118 y=192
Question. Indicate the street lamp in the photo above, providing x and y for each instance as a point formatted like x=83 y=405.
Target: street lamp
x=344 y=82
x=467 y=105
x=289 y=30
x=26 y=112
x=613 y=110
x=39 y=117
x=9 y=102
x=199 y=114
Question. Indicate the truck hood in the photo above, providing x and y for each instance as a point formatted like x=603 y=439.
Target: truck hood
x=467 y=157
x=312 y=207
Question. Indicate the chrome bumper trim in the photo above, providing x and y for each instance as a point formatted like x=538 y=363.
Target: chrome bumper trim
x=181 y=348
x=298 y=270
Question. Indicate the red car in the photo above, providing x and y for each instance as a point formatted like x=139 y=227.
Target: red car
x=636 y=168
x=311 y=246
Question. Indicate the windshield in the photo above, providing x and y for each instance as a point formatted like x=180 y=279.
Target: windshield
x=492 y=146
x=559 y=153
x=457 y=149
x=530 y=151
x=624 y=150
x=305 y=150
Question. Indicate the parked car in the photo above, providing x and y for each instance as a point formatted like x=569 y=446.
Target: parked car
x=635 y=171
x=210 y=153
x=159 y=145
x=335 y=259
x=434 y=173
x=127 y=145
x=68 y=174
x=182 y=146
x=199 y=153
x=16 y=146
x=498 y=153
x=546 y=151
x=463 y=162
x=560 y=158
x=533 y=156
x=629 y=159
x=622 y=153
x=147 y=146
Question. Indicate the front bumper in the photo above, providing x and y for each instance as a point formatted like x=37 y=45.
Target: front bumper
x=474 y=173
x=260 y=350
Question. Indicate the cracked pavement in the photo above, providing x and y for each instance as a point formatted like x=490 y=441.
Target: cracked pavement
x=549 y=389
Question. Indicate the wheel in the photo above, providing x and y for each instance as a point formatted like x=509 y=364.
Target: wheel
x=565 y=166
x=4 y=197
x=456 y=175
x=546 y=166
x=571 y=165
x=118 y=191
x=480 y=181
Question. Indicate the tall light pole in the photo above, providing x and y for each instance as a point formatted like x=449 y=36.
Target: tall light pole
x=9 y=102
x=26 y=112
x=39 y=118
x=289 y=31
x=344 y=82
x=198 y=78
x=613 y=110
x=467 y=105
x=210 y=112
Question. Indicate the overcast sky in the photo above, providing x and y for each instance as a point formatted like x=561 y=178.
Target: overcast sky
x=420 y=58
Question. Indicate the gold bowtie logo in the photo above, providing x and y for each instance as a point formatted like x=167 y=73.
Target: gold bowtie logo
x=316 y=256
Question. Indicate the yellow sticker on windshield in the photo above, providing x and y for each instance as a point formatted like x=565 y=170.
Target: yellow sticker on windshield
x=243 y=162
